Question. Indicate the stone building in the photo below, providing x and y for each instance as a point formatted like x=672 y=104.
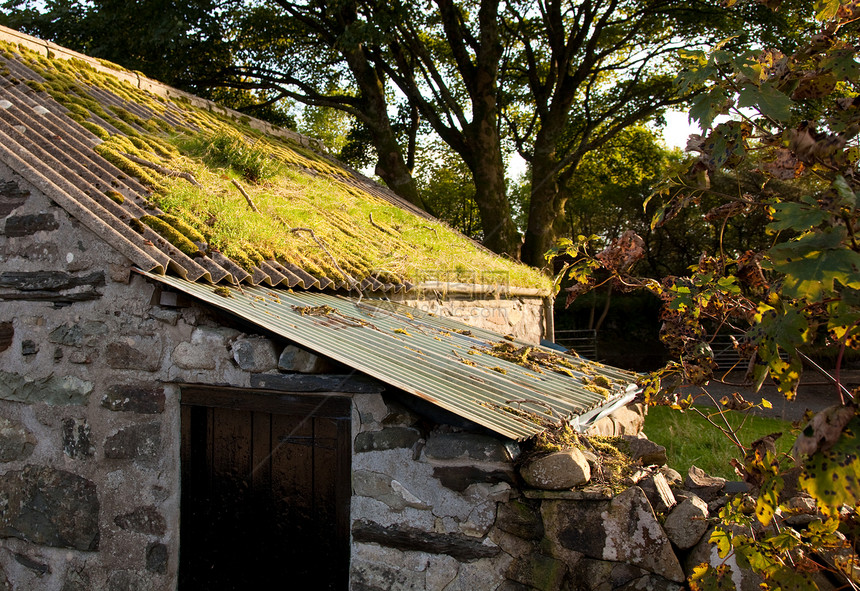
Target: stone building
x=310 y=388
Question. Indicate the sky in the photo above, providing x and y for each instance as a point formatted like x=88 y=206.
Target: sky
x=675 y=134
x=677 y=129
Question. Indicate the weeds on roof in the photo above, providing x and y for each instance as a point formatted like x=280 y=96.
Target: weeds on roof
x=292 y=187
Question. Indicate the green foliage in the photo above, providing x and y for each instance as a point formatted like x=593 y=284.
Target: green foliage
x=448 y=190
x=832 y=475
x=794 y=116
x=174 y=42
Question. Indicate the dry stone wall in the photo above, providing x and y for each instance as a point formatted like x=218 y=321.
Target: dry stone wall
x=446 y=509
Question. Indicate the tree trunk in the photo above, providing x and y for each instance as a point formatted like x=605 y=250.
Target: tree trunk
x=488 y=170
x=548 y=197
x=390 y=166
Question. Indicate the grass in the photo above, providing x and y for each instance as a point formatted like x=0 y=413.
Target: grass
x=690 y=440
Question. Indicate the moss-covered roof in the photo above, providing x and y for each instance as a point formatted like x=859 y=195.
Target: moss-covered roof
x=178 y=183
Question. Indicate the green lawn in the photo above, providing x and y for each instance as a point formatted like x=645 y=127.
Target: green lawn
x=690 y=440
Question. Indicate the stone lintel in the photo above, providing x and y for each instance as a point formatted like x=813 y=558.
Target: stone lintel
x=357 y=384
x=461 y=547
x=569 y=495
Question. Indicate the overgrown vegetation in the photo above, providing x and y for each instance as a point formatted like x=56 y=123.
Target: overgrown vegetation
x=796 y=116
x=255 y=197
x=611 y=462
x=691 y=441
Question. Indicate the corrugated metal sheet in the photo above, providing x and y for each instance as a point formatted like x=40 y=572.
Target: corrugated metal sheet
x=437 y=359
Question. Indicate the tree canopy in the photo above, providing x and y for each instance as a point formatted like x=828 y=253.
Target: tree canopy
x=796 y=116
x=550 y=79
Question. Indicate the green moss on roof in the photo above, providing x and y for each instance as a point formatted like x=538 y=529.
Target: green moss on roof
x=294 y=190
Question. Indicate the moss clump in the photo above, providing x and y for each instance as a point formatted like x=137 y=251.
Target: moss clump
x=126 y=165
x=75 y=117
x=123 y=127
x=115 y=196
x=167 y=232
x=554 y=439
x=137 y=226
x=182 y=227
x=37 y=86
x=598 y=390
x=96 y=130
x=611 y=463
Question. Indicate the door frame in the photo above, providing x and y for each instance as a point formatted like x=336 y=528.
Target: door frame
x=328 y=405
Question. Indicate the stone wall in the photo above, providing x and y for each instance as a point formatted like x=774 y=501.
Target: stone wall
x=447 y=510
x=514 y=313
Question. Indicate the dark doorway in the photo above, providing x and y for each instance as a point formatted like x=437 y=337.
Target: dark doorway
x=265 y=491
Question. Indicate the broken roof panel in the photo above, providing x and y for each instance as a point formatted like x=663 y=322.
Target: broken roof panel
x=513 y=388
x=182 y=185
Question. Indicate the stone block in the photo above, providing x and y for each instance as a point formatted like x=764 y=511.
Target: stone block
x=557 y=471
x=77 y=442
x=53 y=390
x=27 y=225
x=466 y=447
x=191 y=356
x=656 y=488
x=12 y=196
x=135 y=441
x=156 y=558
x=255 y=354
x=706 y=487
x=673 y=477
x=16 y=442
x=141 y=399
x=297 y=359
x=388 y=438
x=48 y=286
x=520 y=519
x=384 y=488
x=29 y=347
x=88 y=332
x=143 y=520
x=627 y=420
x=408 y=539
x=538 y=571
x=134 y=353
x=459 y=478
x=645 y=450
x=7 y=334
x=624 y=529
x=687 y=523
x=50 y=507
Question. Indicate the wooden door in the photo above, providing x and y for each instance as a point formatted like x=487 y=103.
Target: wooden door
x=265 y=491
